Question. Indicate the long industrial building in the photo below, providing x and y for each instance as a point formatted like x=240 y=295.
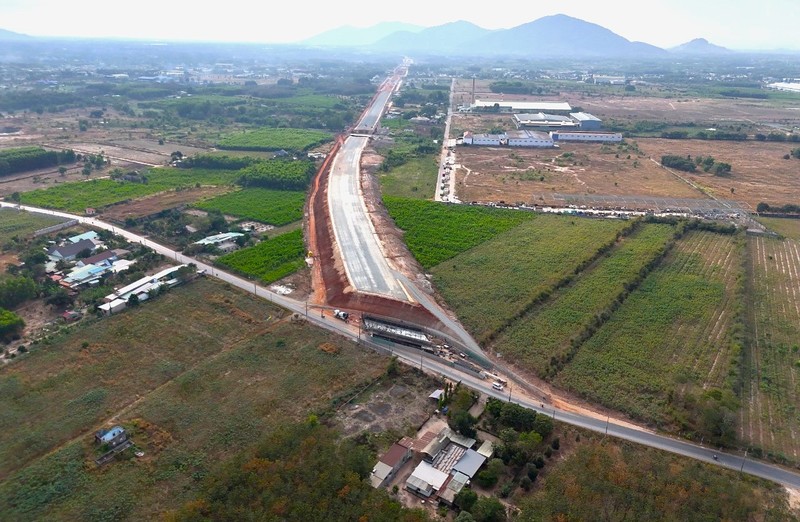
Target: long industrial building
x=612 y=137
x=523 y=106
x=543 y=121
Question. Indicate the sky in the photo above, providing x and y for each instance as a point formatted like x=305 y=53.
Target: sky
x=736 y=24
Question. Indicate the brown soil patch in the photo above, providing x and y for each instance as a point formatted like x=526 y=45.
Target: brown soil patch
x=533 y=176
x=759 y=172
x=150 y=205
x=329 y=348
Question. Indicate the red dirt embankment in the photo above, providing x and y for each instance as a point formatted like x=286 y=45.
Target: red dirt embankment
x=329 y=280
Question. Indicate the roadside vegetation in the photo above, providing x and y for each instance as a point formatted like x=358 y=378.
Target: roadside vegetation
x=274 y=207
x=416 y=178
x=269 y=260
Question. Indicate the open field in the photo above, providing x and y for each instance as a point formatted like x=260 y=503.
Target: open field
x=274 y=139
x=269 y=260
x=490 y=285
x=671 y=341
x=769 y=417
x=75 y=197
x=274 y=207
x=414 y=179
x=541 y=340
x=532 y=175
x=149 y=205
x=759 y=172
x=16 y=223
x=788 y=228
x=208 y=395
x=63 y=388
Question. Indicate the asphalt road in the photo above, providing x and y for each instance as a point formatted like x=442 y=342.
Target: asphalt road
x=420 y=359
x=358 y=243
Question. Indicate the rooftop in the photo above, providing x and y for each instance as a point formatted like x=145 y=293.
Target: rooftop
x=584 y=116
x=526 y=105
x=395 y=455
x=470 y=463
x=219 y=238
x=80 y=237
x=425 y=475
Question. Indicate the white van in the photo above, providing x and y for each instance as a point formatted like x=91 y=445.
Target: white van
x=497 y=386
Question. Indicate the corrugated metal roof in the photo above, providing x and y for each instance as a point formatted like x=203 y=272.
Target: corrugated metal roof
x=427 y=474
x=470 y=463
x=584 y=116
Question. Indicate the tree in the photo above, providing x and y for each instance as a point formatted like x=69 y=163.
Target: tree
x=722 y=169
x=10 y=324
x=489 y=509
x=465 y=499
x=62 y=170
x=133 y=300
x=462 y=422
x=465 y=516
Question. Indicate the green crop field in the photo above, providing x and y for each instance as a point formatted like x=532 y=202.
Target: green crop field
x=670 y=344
x=413 y=179
x=16 y=223
x=275 y=207
x=492 y=284
x=788 y=228
x=193 y=392
x=269 y=260
x=275 y=139
x=545 y=333
x=771 y=396
x=77 y=196
x=436 y=232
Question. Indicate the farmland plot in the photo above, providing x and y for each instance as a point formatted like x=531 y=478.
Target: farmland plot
x=274 y=207
x=671 y=341
x=489 y=285
x=269 y=260
x=542 y=338
x=771 y=395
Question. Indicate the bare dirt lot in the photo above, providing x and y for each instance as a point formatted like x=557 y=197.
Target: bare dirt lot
x=156 y=203
x=533 y=176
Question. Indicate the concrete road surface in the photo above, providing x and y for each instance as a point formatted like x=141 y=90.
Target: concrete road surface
x=366 y=267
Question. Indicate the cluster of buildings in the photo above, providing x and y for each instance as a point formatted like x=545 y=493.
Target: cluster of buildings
x=226 y=242
x=445 y=462
x=87 y=270
x=540 y=124
x=142 y=289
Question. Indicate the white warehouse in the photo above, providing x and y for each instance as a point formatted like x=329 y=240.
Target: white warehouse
x=526 y=138
x=484 y=139
x=612 y=137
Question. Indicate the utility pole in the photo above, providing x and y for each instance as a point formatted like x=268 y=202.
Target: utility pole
x=607 y=418
x=741 y=469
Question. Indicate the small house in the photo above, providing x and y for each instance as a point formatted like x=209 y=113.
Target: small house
x=113 y=437
x=70 y=250
x=389 y=464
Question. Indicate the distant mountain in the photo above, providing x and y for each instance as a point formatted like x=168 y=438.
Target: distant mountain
x=11 y=35
x=449 y=37
x=349 y=36
x=700 y=46
x=561 y=35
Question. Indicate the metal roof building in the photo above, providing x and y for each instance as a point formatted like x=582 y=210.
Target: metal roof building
x=470 y=463
x=533 y=106
x=587 y=121
x=543 y=121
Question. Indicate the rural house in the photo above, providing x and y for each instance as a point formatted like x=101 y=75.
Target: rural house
x=113 y=437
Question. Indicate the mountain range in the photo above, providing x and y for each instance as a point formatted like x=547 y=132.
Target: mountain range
x=550 y=36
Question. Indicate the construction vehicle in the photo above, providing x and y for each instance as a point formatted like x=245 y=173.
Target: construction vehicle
x=341 y=314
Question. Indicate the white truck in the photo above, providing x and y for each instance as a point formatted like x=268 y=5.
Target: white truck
x=341 y=314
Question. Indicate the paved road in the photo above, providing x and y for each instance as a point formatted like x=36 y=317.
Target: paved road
x=420 y=359
x=358 y=243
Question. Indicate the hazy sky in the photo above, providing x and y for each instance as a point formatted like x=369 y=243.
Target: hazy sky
x=738 y=24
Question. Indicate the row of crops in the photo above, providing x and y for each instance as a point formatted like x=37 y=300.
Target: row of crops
x=543 y=339
x=664 y=339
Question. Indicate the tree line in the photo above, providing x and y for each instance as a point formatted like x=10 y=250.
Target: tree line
x=30 y=158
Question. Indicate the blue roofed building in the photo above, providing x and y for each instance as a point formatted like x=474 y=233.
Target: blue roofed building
x=113 y=437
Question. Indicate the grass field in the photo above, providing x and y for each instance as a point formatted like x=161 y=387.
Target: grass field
x=671 y=340
x=269 y=260
x=492 y=284
x=769 y=417
x=75 y=197
x=228 y=375
x=414 y=179
x=16 y=223
x=436 y=232
x=788 y=228
x=275 y=139
x=546 y=332
x=274 y=207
